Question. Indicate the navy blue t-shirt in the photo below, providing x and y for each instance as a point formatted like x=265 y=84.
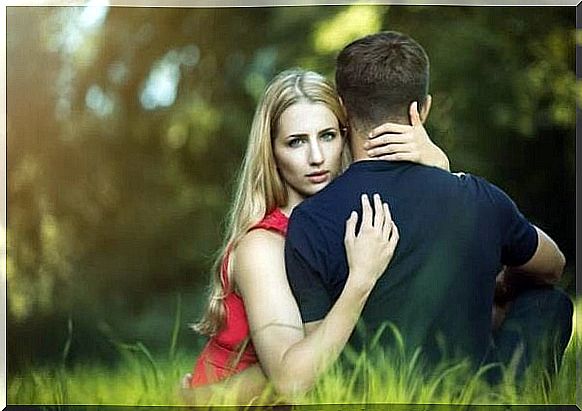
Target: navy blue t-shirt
x=455 y=232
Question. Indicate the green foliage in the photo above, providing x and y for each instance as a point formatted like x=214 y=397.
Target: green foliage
x=114 y=206
x=141 y=379
x=379 y=376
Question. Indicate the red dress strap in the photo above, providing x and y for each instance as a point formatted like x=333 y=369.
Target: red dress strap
x=275 y=220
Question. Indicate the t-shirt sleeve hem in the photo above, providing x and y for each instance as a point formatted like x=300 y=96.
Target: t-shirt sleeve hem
x=528 y=250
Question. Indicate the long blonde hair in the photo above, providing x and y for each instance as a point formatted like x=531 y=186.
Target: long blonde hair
x=260 y=188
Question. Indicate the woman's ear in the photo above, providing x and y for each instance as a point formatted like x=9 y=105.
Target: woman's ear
x=425 y=108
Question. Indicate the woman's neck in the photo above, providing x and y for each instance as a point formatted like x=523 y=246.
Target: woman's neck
x=291 y=203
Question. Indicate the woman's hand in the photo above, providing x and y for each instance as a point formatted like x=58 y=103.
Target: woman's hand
x=399 y=142
x=186 y=381
x=245 y=387
x=370 y=251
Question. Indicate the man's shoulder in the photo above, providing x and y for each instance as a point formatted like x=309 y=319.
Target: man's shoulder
x=458 y=189
x=463 y=180
x=322 y=200
x=482 y=193
x=307 y=216
x=480 y=185
x=320 y=215
x=468 y=180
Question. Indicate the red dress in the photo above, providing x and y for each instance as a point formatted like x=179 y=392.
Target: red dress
x=231 y=351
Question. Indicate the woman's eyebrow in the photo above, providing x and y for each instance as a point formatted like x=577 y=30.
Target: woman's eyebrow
x=296 y=135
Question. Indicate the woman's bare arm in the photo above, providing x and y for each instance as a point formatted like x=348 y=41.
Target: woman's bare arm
x=291 y=360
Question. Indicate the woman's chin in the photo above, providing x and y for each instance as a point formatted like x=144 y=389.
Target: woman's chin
x=316 y=188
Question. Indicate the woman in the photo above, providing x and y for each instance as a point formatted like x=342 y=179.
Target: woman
x=296 y=147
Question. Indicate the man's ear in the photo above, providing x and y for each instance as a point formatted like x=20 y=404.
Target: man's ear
x=346 y=130
x=425 y=108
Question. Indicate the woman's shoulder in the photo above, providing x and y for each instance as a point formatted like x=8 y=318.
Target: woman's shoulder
x=262 y=242
x=262 y=246
x=259 y=240
x=260 y=251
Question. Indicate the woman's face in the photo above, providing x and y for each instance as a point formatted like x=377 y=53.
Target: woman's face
x=307 y=148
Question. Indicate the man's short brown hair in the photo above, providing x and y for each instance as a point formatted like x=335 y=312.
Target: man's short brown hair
x=379 y=75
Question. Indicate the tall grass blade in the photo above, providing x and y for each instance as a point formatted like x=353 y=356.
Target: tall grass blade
x=398 y=337
x=176 y=329
x=151 y=361
x=377 y=336
x=67 y=346
x=470 y=387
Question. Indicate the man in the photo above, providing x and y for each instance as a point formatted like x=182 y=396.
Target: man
x=455 y=233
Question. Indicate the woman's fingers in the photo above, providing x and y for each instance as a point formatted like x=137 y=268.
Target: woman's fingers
x=366 y=211
x=380 y=221
x=394 y=237
x=388 y=128
x=397 y=142
x=351 y=227
x=389 y=230
x=390 y=138
x=392 y=149
x=186 y=380
x=413 y=157
x=414 y=114
x=371 y=219
x=370 y=251
x=378 y=212
x=387 y=225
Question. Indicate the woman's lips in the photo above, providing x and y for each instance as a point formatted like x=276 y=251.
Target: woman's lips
x=318 y=177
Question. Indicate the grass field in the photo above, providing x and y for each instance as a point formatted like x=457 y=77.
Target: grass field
x=140 y=378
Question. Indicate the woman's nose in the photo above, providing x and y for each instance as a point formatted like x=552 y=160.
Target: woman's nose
x=315 y=154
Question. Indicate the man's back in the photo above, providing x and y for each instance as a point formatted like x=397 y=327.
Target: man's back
x=455 y=231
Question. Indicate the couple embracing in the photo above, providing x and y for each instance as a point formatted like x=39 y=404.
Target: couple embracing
x=316 y=245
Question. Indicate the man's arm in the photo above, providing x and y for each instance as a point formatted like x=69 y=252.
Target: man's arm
x=544 y=267
x=547 y=263
x=529 y=255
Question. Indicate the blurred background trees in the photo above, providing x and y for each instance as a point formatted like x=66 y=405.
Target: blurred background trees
x=126 y=127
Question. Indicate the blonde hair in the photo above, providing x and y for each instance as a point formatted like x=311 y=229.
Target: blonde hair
x=260 y=188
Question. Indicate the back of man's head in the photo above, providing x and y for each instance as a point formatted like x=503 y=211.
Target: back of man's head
x=379 y=76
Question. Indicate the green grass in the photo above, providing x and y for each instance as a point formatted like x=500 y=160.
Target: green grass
x=143 y=379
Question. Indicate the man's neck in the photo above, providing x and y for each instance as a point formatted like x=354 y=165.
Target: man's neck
x=357 y=147
x=359 y=138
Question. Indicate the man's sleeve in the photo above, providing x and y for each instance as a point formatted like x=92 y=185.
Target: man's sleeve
x=304 y=265
x=519 y=238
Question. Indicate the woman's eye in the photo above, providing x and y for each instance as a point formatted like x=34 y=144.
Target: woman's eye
x=295 y=142
x=328 y=136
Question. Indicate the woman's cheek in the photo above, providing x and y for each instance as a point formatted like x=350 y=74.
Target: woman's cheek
x=337 y=157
